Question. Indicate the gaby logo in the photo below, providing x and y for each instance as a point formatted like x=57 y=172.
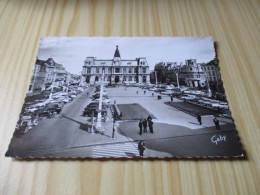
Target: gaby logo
x=218 y=138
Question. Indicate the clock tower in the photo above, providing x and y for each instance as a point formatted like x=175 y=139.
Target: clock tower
x=117 y=57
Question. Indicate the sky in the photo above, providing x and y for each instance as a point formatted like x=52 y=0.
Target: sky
x=71 y=52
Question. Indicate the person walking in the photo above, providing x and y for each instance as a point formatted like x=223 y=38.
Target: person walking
x=137 y=92
x=145 y=125
x=150 y=124
x=140 y=127
x=199 y=119
x=216 y=121
x=141 y=148
x=144 y=92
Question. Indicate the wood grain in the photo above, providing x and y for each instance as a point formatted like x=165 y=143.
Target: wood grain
x=234 y=24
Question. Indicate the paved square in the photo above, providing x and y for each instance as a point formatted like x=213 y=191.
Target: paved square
x=176 y=133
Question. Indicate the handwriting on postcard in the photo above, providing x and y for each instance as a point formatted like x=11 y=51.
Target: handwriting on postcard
x=216 y=139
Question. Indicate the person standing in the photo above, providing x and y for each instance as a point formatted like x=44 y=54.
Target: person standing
x=149 y=117
x=216 y=121
x=150 y=123
x=144 y=92
x=140 y=127
x=145 y=125
x=171 y=98
x=141 y=148
x=199 y=119
x=137 y=92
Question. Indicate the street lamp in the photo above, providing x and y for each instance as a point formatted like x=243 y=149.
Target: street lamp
x=52 y=84
x=209 y=90
x=155 y=73
x=98 y=124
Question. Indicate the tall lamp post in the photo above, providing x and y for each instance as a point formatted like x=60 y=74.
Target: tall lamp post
x=53 y=82
x=155 y=73
x=209 y=90
x=177 y=77
x=98 y=124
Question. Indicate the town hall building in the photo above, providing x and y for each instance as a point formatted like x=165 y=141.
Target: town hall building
x=116 y=70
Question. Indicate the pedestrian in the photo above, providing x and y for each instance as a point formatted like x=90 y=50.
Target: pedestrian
x=152 y=94
x=114 y=101
x=140 y=127
x=216 y=121
x=149 y=118
x=150 y=124
x=171 y=98
x=144 y=92
x=199 y=119
x=145 y=125
x=141 y=148
x=113 y=132
x=137 y=92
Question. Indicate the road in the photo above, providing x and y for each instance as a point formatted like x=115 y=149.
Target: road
x=176 y=133
x=57 y=132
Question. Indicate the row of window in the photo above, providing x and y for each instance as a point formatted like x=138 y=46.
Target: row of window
x=189 y=76
x=130 y=78
x=208 y=68
x=117 y=70
x=211 y=73
x=212 y=79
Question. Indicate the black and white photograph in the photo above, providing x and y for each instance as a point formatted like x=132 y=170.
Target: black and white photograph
x=125 y=97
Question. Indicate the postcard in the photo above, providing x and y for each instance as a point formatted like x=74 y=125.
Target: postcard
x=125 y=97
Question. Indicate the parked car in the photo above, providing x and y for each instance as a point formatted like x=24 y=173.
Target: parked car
x=188 y=97
x=104 y=100
x=30 y=109
x=167 y=92
x=88 y=110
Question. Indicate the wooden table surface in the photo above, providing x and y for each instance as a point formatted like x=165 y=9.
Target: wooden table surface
x=234 y=24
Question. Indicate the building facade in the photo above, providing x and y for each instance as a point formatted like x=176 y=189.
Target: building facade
x=189 y=74
x=47 y=73
x=116 y=70
x=192 y=74
x=212 y=73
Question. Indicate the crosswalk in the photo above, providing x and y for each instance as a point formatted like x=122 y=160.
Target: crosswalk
x=129 y=149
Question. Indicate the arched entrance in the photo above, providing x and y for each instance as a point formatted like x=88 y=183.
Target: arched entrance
x=87 y=79
x=116 y=79
x=144 y=79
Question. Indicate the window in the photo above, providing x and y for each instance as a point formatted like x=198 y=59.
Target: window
x=135 y=70
x=88 y=70
x=97 y=70
x=144 y=70
x=124 y=78
x=213 y=73
x=109 y=69
x=109 y=78
x=124 y=70
x=190 y=69
x=212 y=68
x=130 y=70
x=117 y=70
x=208 y=68
x=130 y=78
